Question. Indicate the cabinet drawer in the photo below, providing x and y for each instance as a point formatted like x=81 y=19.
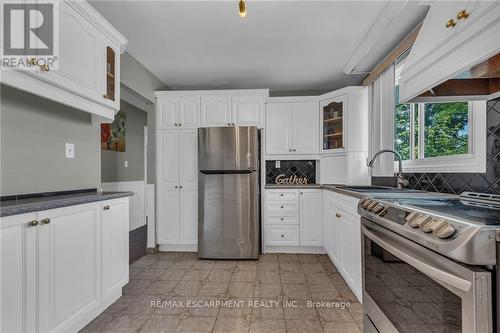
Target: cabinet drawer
x=282 y=219
x=281 y=195
x=282 y=235
x=282 y=207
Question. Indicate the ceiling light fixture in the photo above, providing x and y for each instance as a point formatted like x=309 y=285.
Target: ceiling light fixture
x=243 y=9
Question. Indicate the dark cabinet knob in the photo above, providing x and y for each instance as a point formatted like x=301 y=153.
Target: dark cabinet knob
x=46 y=221
x=106 y=207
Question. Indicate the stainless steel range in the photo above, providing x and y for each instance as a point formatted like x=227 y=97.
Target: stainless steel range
x=430 y=263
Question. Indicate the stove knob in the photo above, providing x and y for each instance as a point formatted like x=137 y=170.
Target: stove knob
x=378 y=208
x=443 y=229
x=419 y=221
x=412 y=216
x=366 y=203
x=428 y=225
x=372 y=205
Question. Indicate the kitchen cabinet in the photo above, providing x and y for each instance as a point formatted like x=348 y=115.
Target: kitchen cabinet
x=333 y=123
x=351 y=253
x=178 y=112
x=292 y=128
x=294 y=218
x=248 y=111
x=177 y=194
x=62 y=267
x=88 y=73
x=454 y=36
x=216 y=111
x=115 y=245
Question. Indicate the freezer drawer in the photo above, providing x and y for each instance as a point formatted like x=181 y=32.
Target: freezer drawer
x=228 y=148
x=228 y=216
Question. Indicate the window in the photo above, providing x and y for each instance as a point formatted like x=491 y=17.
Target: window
x=439 y=136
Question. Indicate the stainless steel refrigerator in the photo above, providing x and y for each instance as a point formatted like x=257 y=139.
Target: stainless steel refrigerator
x=228 y=193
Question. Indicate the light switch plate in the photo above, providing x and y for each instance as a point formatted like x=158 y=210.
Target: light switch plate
x=70 y=150
x=277 y=164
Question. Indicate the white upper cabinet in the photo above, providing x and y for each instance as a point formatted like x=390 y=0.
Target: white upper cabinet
x=215 y=110
x=167 y=113
x=178 y=112
x=292 y=127
x=88 y=73
x=248 y=111
x=454 y=36
x=189 y=112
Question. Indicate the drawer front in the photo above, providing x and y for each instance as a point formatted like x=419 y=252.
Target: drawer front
x=285 y=236
x=282 y=207
x=272 y=195
x=345 y=202
x=282 y=219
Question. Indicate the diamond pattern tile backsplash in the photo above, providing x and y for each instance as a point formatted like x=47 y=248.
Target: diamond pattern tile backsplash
x=291 y=168
x=456 y=183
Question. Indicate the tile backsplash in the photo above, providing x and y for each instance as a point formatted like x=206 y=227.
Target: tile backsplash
x=456 y=183
x=305 y=168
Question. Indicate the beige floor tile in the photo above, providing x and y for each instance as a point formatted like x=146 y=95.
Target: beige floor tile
x=224 y=265
x=196 y=275
x=136 y=287
x=173 y=274
x=98 y=324
x=346 y=293
x=317 y=277
x=290 y=267
x=204 y=264
x=307 y=258
x=204 y=306
x=231 y=325
x=219 y=275
x=160 y=287
x=236 y=307
x=268 y=277
x=196 y=325
x=144 y=262
x=162 y=264
x=267 y=326
x=356 y=309
x=126 y=323
x=175 y=305
x=323 y=292
x=213 y=289
x=247 y=265
x=302 y=326
x=267 y=290
x=341 y=327
x=312 y=267
x=300 y=313
x=267 y=266
x=292 y=277
x=183 y=264
x=296 y=291
x=190 y=256
x=335 y=314
x=274 y=311
x=161 y=324
x=241 y=289
x=134 y=272
x=121 y=304
x=244 y=276
x=150 y=275
x=170 y=255
x=285 y=257
x=268 y=258
x=142 y=304
x=187 y=288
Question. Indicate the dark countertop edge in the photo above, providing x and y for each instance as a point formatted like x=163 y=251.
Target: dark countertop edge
x=286 y=187
x=53 y=203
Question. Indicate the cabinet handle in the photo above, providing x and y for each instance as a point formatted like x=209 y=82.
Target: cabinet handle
x=228 y=124
x=176 y=186
x=180 y=125
x=180 y=186
x=33 y=223
x=338 y=215
x=282 y=219
x=295 y=150
x=463 y=14
x=451 y=23
x=46 y=221
x=301 y=193
x=282 y=194
x=106 y=207
x=175 y=124
x=282 y=207
x=232 y=124
x=282 y=236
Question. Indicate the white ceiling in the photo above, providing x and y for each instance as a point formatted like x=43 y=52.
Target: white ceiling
x=281 y=45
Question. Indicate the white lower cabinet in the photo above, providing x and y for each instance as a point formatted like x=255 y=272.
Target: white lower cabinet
x=343 y=237
x=294 y=218
x=62 y=267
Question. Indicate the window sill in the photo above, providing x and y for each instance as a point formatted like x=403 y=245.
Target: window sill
x=447 y=164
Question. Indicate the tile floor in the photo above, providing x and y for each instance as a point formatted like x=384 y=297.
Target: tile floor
x=268 y=295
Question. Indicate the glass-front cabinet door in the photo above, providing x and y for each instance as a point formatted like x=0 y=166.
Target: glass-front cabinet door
x=333 y=124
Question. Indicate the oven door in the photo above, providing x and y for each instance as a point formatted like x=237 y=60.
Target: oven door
x=409 y=288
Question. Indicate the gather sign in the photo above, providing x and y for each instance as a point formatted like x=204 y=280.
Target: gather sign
x=292 y=180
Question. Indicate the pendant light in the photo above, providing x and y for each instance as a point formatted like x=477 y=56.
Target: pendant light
x=243 y=9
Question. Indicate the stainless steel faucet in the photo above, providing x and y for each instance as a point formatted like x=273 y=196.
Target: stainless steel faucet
x=400 y=181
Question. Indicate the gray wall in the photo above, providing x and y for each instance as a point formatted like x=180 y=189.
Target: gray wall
x=112 y=162
x=33 y=136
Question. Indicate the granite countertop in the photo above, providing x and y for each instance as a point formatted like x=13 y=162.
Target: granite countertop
x=279 y=186
x=345 y=191
x=22 y=206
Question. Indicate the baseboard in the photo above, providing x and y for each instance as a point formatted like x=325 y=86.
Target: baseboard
x=177 y=248
x=296 y=249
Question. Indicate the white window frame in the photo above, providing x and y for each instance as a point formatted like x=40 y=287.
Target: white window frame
x=474 y=161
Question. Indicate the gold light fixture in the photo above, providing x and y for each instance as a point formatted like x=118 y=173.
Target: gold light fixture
x=243 y=9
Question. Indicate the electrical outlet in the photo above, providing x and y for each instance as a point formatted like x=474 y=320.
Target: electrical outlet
x=125 y=164
x=277 y=164
x=70 y=150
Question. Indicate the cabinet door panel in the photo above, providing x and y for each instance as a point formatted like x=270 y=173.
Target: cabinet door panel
x=333 y=169
x=168 y=217
x=279 y=128
x=352 y=261
x=215 y=110
x=168 y=159
x=305 y=128
x=189 y=217
x=18 y=277
x=248 y=110
x=188 y=156
x=115 y=245
x=189 y=112
x=70 y=265
x=80 y=64
x=167 y=113
x=336 y=236
x=311 y=221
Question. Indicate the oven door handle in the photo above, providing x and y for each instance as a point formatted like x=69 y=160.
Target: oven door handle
x=437 y=274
